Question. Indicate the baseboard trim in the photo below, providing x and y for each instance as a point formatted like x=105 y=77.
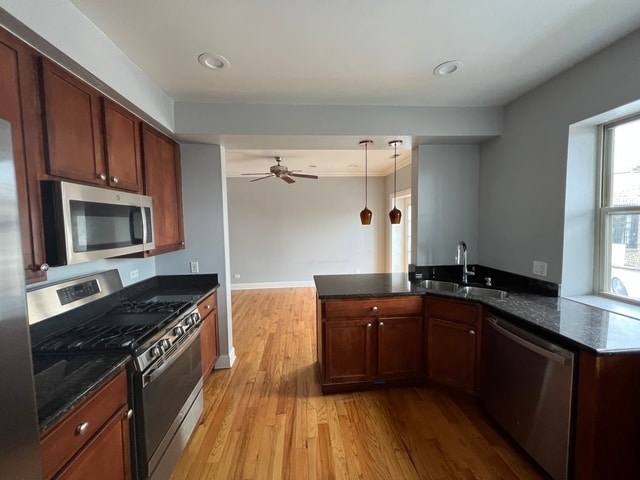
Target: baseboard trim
x=257 y=286
x=226 y=361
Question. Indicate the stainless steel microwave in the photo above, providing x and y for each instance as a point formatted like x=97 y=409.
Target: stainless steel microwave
x=83 y=223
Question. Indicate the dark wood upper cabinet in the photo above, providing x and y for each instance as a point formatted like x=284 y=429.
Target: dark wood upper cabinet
x=72 y=125
x=20 y=105
x=163 y=182
x=122 y=147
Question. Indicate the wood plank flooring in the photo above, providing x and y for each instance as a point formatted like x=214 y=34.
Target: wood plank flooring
x=266 y=418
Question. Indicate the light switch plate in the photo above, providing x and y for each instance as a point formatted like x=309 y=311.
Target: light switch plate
x=195 y=267
x=540 y=268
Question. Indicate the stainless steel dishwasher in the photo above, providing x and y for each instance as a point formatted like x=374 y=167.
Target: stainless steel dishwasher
x=527 y=389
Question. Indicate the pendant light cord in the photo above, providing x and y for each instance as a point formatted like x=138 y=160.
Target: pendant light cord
x=395 y=172
x=366 y=174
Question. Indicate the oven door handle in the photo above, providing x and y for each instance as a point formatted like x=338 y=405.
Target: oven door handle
x=155 y=373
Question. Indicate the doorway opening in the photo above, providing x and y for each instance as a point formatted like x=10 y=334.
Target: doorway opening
x=399 y=252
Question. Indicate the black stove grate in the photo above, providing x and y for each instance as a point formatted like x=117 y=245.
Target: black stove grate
x=95 y=337
x=152 y=307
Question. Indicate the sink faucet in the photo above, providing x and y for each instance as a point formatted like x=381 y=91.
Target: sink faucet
x=461 y=256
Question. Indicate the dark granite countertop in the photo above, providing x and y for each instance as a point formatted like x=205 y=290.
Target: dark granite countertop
x=62 y=382
x=577 y=324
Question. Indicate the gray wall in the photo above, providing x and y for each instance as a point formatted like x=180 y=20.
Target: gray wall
x=206 y=233
x=282 y=233
x=523 y=172
x=444 y=199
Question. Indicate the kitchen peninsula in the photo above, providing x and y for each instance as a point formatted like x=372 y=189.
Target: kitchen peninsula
x=353 y=312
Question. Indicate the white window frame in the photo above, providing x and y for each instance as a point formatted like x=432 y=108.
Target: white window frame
x=605 y=211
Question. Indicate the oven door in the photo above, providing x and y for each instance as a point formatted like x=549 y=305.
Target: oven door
x=167 y=396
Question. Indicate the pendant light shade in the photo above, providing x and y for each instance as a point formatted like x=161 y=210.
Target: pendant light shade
x=366 y=214
x=395 y=215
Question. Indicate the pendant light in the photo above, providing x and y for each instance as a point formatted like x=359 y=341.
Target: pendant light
x=366 y=214
x=395 y=215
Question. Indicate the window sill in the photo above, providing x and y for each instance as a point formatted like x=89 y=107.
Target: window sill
x=609 y=304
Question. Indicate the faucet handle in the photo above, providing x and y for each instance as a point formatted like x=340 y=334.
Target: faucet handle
x=487 y=281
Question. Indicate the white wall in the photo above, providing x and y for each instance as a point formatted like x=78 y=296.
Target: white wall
x=285 y=234
x=204 y=194
x=444 y=198
x=523 y=173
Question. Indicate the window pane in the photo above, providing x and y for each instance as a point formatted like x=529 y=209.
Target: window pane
x=625 y=158
x=625 y=258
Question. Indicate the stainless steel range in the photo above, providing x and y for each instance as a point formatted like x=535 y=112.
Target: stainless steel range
x=162 y=333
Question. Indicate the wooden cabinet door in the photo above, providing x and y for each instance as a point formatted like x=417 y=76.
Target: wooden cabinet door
x=106 y=456
x=20 y=105
x=451 y=354
x=349 y=350
x=400 y=345
x=163 y=182
x=73 y=134
x=122 y=147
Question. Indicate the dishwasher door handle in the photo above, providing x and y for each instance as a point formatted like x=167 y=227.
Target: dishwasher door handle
x=553 y=356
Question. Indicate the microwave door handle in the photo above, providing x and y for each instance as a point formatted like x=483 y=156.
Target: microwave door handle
x=145 y=227
x=132 y=227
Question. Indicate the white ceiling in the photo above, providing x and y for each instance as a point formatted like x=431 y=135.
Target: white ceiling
x=358 y=52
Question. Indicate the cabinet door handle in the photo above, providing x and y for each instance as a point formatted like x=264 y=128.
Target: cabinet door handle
x=82 y=428
x=472 y=332
x=207 y=307
x=128 y=414
x=374 y=309
x=382 y=324
x=102 y=176
x=114 y=179
x=44 y=267
x=368 y=325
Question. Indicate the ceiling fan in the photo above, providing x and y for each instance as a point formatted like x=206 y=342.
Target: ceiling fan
x=281 y=171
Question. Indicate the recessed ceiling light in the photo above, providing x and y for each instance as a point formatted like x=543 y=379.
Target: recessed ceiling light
x=353 y=165
x=213 y=61
x=447 y=68
x=313 y=165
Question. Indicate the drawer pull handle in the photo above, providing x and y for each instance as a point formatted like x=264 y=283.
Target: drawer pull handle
x=207 y=307
x=129 y=414
x=472 y=332
x=374 y=309
x=82 y=428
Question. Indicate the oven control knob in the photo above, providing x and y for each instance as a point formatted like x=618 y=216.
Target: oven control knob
x=179 y=330
x=189 y=321
x=166 y=344
x=196 y=317
x=156 y=351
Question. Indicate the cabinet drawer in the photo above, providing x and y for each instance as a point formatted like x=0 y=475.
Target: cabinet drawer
x=453 y=310
x=378 y=307
x=65 y=439
x=206 y=306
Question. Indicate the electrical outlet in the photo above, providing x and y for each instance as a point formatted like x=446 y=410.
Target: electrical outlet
x=540 y=268
x=236 y=275
x=134 y=273
x=195 y=267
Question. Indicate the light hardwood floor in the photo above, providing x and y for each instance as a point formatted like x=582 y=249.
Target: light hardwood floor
x=266 y=418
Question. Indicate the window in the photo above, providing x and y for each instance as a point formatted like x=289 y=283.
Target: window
x=619 y=213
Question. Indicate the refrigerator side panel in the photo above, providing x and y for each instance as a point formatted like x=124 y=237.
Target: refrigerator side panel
x=19 y=438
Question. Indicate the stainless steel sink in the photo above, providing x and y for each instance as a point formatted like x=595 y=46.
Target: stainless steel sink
x=483 y=292
x=438 y=285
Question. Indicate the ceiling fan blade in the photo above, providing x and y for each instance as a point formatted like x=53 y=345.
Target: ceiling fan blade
x=261 y=178
x=288 y=179
x=262 y=173
x=303 y=175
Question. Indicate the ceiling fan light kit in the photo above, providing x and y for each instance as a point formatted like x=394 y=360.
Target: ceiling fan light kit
x=366 y=214
x=395 y=215
x=283 y=172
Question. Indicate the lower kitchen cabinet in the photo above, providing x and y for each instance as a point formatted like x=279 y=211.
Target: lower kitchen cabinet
x=371 y=340
x=92 y=441
x=208 y=309
x=453 y=343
